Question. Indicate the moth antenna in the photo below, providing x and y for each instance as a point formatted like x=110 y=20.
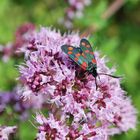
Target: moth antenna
x=32 y=124
x=110 y=75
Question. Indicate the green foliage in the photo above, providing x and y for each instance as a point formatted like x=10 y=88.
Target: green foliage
x=8 y=73
x=116 y=37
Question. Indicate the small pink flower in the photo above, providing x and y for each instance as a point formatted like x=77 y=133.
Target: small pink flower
x=50 y=128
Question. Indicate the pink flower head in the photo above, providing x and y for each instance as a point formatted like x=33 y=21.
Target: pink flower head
x=50 y=128
x=21 y=38
x=77 y=109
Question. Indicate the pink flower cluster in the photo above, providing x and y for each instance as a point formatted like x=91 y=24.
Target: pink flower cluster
x=13 y=101
x=77 y=111
x=21 y=38
x=75 y=10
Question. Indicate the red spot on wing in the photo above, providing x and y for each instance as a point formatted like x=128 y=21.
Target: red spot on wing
x=93 y=60
x=83 y=55
x=92 y=53
x=84 y=65
x=78 y=54
x=88 y=46
x=69 y=52
x=87 y=51
x=70 y=48
x=76 y=59
x=83 y=43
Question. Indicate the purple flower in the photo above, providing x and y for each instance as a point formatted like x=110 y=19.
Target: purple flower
x=18 y=106
x=76 y=109
x=21 y=38
x=75 y=10
x=53 y=129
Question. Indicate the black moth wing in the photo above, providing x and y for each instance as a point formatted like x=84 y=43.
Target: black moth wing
x=76 y=54
x=87 y=50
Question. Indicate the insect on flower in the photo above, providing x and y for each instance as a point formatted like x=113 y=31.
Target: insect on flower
x=84 y=57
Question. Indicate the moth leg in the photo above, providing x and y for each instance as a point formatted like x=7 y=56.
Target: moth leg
x=96 y=83
x=99 y=78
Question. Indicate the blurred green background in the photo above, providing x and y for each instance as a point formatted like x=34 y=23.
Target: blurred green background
x=118 y=37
